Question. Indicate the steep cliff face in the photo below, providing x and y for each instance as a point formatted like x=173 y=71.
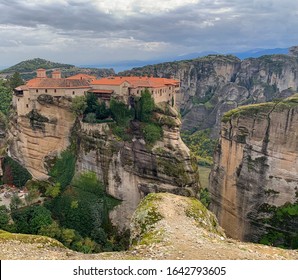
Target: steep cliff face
x=213 y=85
x=254 y=182
x=41 y=134
x=130 y=170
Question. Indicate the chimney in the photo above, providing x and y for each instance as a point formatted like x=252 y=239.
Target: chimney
x=56 y=74
x=41 y=73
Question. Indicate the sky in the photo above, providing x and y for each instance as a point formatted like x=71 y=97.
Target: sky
x=108 y=31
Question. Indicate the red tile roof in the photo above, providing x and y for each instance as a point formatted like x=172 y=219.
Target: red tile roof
x=135 y=82
x=57 y=83
x=82 y=77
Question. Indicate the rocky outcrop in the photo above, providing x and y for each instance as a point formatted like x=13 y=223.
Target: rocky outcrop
x=213 y=85
x=128 y=169
x=131 y=170
x=41 y=134
x=254 y=183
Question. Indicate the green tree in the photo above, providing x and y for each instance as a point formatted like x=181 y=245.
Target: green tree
x=14 y=173
x=146 y=106
x=120 y=112
x=53 y=191
x=5 y=98
x=31 y=219
x=52 y=230
x=15 y=202
x=64 y=168
x=90 y=118
x=102 y=112
x=15 y=80
x=152 y=133
x=92 y=103
x=79 y=105
x=4 y=217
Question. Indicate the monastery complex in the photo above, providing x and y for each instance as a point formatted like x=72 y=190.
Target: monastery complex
x=121 y=88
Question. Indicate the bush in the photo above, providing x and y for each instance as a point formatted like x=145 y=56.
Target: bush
x=78 y=105
x=120 y=112
x=64 y=168
x=152 y=133
x=90 y=118
x=14 y=173
x=31 y=219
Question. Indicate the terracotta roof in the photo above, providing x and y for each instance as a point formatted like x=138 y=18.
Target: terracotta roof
x=135 y=82
x=82 y=77
x=57 y=83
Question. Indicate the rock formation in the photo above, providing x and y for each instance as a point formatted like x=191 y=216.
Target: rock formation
x=215 y=84
x=128 y=169
x=254 y=183
x=131 y=170
x=42 y=134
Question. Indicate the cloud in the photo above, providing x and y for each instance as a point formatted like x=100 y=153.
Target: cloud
x=78 y=31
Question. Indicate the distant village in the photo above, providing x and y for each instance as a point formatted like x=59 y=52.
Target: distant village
x=121 y=88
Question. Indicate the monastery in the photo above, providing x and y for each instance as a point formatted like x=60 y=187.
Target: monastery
x=121 y=88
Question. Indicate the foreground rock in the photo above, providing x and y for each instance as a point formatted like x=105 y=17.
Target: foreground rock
x=165 y=226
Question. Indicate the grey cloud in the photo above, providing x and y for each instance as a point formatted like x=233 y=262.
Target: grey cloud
x=207 y=25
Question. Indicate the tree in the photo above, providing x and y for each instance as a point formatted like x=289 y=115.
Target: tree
x=4 y=217
x=120 y=112
x=90 y=118
x=78 y=105
x=5 y=98
x=146 y=106
x=92 y=103
x=15 y=202
x=53 y=191
x=15 y=80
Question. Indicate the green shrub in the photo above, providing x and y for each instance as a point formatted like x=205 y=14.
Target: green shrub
x=64 y=168
x=31 y=219
x=90 y=118
x=120 y=112
x=14 y=173
x=152 y=133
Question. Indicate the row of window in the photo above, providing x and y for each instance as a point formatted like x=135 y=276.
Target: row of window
x=55 y=90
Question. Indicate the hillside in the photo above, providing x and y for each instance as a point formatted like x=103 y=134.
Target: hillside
x=28 y=68
x=180 y=228
x=33 y=64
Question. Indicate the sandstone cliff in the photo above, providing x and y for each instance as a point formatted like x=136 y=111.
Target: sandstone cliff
x=213 y=85
x=175 y=228
x=131 y=170
x=41 y=134
x=128 y=169
x=253 y=183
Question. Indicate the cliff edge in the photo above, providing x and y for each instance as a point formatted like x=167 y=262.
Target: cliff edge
x=253 y=183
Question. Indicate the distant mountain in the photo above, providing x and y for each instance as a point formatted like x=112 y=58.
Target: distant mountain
x=28 y=68
x=130 y=64
x=260 y=52
x=33 y=64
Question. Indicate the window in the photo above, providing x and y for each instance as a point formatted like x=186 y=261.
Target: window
x=55 y=90
x=37 y=90
x=46 y=91
x=73 y=93
x=27 y=105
